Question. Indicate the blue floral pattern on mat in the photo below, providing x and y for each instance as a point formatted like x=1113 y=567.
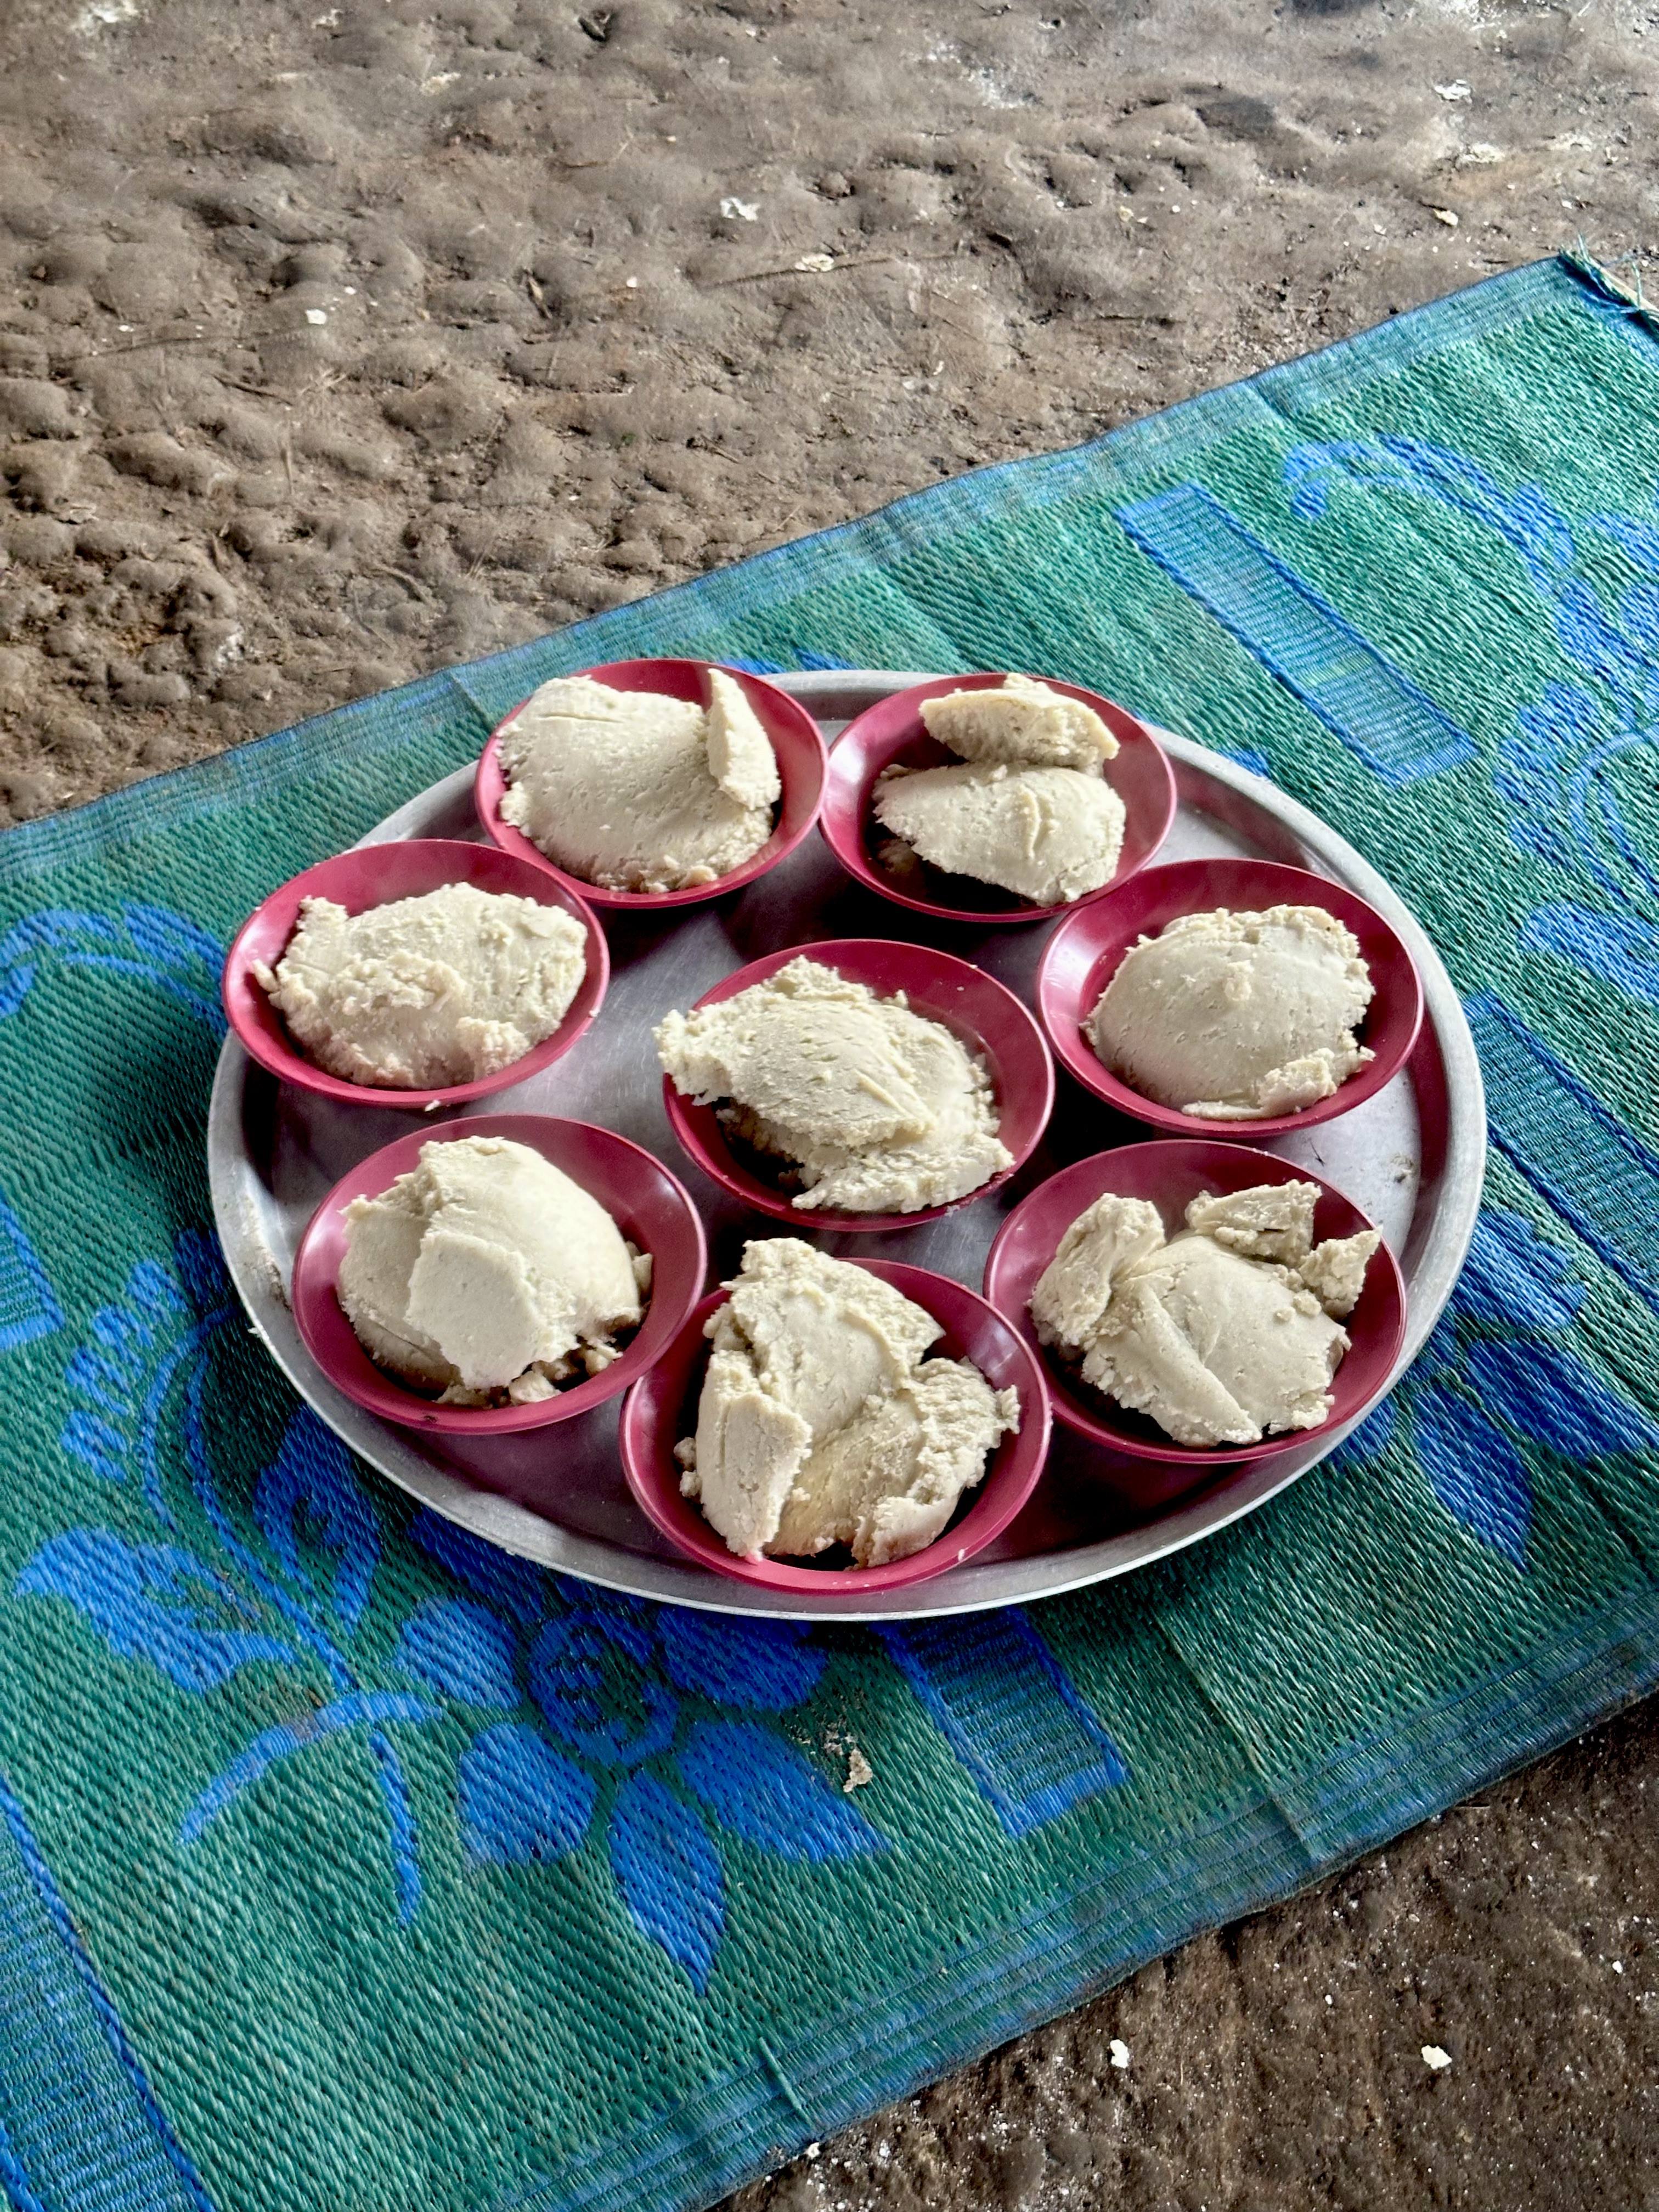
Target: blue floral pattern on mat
x=627 y=1744
x=151 y=945
x=291 y=1603
x=1492 y=1373
x=599 y=1713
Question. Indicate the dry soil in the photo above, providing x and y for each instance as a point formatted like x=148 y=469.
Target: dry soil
x=337 y=341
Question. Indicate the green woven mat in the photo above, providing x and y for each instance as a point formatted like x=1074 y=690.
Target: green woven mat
x=345 y=1864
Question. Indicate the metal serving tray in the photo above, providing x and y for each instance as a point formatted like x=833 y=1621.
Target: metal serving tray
x=1412 y=1156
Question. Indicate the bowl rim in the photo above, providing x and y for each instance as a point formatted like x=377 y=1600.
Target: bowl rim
x=488 y=783
x=1071 y=1407
x=640 y=1434
x=685 y=1117
x=269 y=1045
x=848 y=849
x=376 y=1392
x=1062 y=1022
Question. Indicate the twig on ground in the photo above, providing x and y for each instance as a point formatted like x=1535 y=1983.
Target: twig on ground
x=815 y=266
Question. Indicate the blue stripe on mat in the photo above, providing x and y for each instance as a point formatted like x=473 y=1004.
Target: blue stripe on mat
x=79 y=2128
x=1548 y=1128
x=993 y=1689
x=1381 y=717
x=27 y=1306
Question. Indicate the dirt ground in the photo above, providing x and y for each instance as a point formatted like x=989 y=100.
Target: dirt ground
x=338 y=342
x=1277 y=2066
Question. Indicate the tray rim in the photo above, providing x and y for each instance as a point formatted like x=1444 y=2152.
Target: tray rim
x=526 y=1535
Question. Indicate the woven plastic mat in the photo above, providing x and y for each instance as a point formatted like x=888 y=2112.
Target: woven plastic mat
x=345 y=1864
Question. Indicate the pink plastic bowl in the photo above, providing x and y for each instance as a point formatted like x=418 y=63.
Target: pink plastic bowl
x=650 y=1207
x=374 y=875
x=990 y=1020
x=662 y=1408
x=1170 y=1175
x=1084 y=953
x=796 y=741
x=893 y=730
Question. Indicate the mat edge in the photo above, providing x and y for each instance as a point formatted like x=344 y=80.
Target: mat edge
x=1614 y=1665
